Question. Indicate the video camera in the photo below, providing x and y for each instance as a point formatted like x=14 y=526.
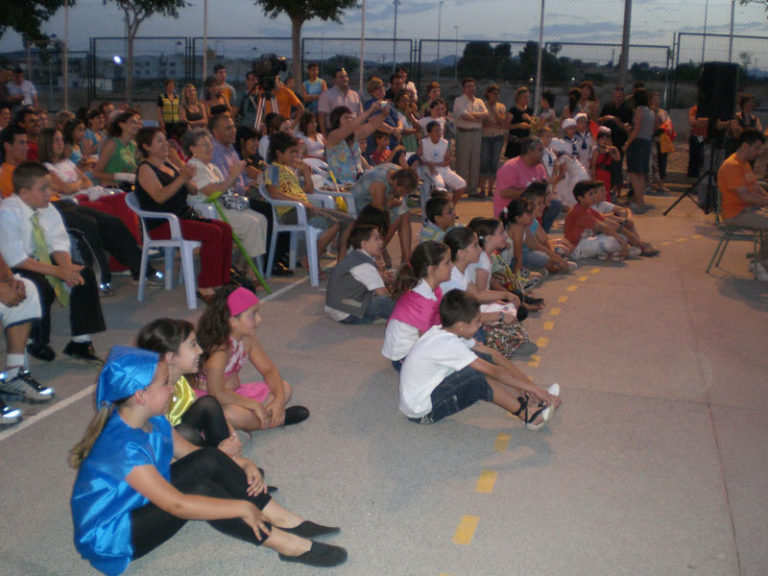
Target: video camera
x=266 y=68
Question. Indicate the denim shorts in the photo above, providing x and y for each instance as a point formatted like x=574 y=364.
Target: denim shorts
x=456 y=392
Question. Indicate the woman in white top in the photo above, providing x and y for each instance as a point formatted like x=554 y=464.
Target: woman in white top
x=314 y=142
x=249 y=226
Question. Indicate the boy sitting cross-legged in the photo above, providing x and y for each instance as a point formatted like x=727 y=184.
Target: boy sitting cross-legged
x=356 y=293
x=447 y=371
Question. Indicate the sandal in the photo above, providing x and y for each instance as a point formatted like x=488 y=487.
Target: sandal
x=528 y=419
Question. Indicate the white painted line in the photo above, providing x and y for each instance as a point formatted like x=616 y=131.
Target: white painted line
x=47 y=412
x=26 y=423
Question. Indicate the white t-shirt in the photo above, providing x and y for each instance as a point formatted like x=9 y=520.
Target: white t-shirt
x=431 y=152
x=365 y=273
x=435 y=356
x=205 y=174
x=400 y=337
x=459 y=280
x=483 y=264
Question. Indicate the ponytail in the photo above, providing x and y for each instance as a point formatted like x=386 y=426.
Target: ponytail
x=81 y=450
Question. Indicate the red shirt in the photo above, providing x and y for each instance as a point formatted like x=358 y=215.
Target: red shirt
x=578 y=220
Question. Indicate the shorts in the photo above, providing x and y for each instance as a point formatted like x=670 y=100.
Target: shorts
x=456 y=392
x=26 y=311
x=639 y=156
x=258 y=391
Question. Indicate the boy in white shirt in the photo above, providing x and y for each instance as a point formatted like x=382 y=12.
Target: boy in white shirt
x=356 y=293
x=447 y=371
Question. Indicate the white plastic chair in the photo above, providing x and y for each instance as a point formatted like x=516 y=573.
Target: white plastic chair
x=325 y=186
x=186 y=249
x=302 y=226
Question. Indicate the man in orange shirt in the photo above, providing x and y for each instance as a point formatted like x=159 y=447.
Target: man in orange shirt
x=744 y=201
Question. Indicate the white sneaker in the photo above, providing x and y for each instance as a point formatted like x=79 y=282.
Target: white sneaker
x=634 y=252
x=572 y=265
x=761 y=272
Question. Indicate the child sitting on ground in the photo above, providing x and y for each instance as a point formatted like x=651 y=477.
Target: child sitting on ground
x=441 y=217
x=501 y=328
x=416 y=310
x=201 y=421
x=356 y=293
x=227 y=334
x=622 y=219
x=588 y=230
x=128 y=498
x=435 y=155
x=447 y=371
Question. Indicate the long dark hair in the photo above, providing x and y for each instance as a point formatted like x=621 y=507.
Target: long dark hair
x=458 y=239
x=213 y=328
x=484 y=227
x=164 y=335
x=409 y=274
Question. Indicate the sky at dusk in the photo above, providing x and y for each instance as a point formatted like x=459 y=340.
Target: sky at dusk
x=653 y=21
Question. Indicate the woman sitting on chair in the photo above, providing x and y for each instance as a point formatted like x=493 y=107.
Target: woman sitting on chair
x=160 y=187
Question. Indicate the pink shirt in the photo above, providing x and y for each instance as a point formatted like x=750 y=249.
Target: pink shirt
x=515 y=173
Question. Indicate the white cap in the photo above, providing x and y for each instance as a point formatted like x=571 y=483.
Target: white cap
x=568 y=123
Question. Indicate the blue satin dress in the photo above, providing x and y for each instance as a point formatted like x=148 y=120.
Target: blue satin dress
x=102 y=500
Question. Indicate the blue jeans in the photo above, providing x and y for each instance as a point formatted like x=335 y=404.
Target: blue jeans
x=550 y=214
x=456 y=392
x=490 y=153
x=378 y=307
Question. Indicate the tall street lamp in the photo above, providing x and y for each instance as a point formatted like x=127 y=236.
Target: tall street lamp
x=396 y=3
x=439 y=22
x=456 y=55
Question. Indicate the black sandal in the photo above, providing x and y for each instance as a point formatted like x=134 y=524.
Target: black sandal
x=528 y=419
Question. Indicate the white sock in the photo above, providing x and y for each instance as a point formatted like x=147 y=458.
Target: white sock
x=81 y=338
x=13 y=363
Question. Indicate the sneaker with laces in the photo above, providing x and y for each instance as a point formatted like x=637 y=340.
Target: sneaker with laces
x=155 y=278
x=25 y=387
x=82 y=351
x=8 y=415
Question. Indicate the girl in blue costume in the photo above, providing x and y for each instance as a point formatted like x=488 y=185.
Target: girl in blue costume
x=128 y=498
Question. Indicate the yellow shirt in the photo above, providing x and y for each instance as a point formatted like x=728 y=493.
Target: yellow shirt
x=183 y=397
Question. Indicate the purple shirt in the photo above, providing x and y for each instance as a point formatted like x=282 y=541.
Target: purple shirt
x=224 y=158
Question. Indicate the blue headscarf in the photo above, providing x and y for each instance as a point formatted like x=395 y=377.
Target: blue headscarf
x=126 y=371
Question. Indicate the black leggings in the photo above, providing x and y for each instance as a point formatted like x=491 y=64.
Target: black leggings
x=204 y=423
x=205 y=472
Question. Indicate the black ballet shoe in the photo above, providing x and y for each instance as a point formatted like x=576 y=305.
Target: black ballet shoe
x=320 y=555
x=295 y=414
x=310 y=530
x=270 y=489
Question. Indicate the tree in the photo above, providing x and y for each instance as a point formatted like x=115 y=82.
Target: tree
x=300 y=11
x=135 y=12
x=26 y=18
x=477 y=60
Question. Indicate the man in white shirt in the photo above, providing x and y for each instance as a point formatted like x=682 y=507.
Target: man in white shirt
x=468 y=115
x=340 y=94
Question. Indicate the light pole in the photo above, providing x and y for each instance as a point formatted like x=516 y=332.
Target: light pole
x=730 y=34
x=439 y=22
x=539 y=57
x=456 y=55
x=396 y=3
x=704 y=38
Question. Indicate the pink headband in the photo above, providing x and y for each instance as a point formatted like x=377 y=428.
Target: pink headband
x=240 y=300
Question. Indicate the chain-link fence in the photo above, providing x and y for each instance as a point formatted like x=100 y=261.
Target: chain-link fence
x=382 y=55
x=154 y=59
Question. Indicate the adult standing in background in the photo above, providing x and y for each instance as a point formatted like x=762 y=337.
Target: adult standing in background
x=340 y=94
x=493 y=139
x=519 y=121
x=313 y=87
x=21 y=92
x=168 y=109
x=469 y=113
x=227 y=90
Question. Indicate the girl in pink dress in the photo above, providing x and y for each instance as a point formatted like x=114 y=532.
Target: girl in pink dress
x=227 y=334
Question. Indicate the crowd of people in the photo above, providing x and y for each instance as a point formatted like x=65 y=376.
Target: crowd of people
x=454 y=308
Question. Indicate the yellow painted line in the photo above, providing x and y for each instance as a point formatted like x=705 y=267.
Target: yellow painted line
x=562 y=299
x=583 y=278
x=595 y=270
x=502 y=442
x=542 y=342
x=466 y=530
x=534 y=361
x=666 y=243
x=486 y=482
x=548 y=325
x=554 y=312
x=682 y=240
x=697 y=236
x=572 y=288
